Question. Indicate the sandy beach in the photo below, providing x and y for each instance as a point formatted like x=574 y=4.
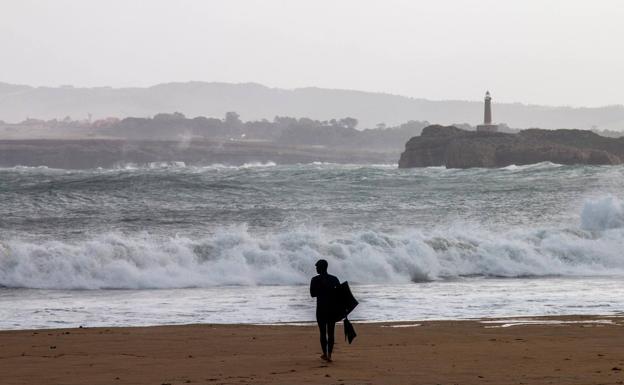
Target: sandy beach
x=581 y=350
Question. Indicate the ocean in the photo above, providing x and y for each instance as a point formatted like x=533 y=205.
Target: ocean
x=167 y=243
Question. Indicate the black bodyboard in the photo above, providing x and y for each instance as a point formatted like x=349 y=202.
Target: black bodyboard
x=349 y=330
x=343 y=302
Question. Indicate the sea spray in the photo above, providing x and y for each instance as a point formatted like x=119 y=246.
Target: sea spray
x=602 y=213
x=235 y=256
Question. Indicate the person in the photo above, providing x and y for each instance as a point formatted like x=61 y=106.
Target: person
x=322 y=287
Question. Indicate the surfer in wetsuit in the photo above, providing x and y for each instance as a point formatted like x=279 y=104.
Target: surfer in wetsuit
x=322 y=287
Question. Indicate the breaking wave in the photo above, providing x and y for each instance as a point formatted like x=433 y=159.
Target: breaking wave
x=531 y=167
x=182 y=165
x=236 y=256
x=603 y=213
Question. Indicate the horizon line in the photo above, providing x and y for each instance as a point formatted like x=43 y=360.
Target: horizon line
x=242 y=83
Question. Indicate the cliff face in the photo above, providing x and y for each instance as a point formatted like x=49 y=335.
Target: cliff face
x=454 y=148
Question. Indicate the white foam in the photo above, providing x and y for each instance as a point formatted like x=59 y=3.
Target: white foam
x=174 y=164
x=602 y=213
x=183 y=166
x=32 y=169
x=533 y=166
x=236 y=256
x=353 y=165
x=527 y=322
x=401 y=326
x=259 y=164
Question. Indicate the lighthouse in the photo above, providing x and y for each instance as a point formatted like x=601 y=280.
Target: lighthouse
x=487 y=125
x=487 y=119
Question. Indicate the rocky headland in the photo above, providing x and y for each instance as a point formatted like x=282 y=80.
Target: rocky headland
x=456 y=148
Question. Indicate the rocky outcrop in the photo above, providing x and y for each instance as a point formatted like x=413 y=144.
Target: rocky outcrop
x=455 y=148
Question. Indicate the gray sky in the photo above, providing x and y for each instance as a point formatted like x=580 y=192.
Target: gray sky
x=531 y=51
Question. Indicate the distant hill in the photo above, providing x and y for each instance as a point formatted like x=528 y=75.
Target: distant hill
x=255 y=102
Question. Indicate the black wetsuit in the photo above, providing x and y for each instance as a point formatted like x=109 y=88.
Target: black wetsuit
x=322 y=287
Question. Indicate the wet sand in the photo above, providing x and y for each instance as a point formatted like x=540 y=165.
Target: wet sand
x=590 y=350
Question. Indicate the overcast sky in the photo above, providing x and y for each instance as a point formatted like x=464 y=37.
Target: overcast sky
x=566 y=52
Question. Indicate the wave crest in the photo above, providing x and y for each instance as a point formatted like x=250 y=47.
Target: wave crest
x=602 y=214
x=235 y=256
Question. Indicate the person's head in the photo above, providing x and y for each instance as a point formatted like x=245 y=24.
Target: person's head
x=321 y=266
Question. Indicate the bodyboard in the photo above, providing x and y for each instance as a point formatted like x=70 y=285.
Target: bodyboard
x=344 y=301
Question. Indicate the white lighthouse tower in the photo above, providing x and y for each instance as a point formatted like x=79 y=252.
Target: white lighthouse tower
x=487 y=125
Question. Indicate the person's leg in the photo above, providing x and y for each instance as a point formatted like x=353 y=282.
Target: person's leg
x=322 y=324
x=330 y=338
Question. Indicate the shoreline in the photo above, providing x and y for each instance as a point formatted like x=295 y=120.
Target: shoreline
x=555 y=349
x=382 y=323
x=93 y=153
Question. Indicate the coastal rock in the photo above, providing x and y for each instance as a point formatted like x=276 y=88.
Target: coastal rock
x=456 y=148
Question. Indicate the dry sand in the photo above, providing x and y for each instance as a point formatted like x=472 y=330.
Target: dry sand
x=446 y=352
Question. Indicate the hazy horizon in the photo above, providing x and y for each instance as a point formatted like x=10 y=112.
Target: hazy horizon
x=254 y=101
x=478 y=98
x=555 y=53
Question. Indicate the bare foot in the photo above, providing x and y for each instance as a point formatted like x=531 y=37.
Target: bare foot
x=325 y=358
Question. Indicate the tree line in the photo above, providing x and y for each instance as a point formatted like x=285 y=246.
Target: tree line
x=282 y=129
